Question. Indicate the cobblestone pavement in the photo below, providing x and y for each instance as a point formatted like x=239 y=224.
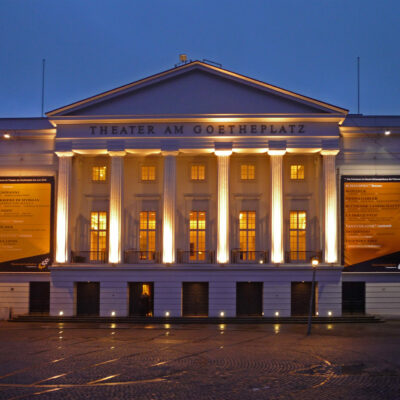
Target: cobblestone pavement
x=81 y=361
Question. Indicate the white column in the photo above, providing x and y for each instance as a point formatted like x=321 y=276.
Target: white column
x=63 y=196
x=169 y=205
x=116 y=193
x=223 y=205
x=331 y=230
x=276 y=157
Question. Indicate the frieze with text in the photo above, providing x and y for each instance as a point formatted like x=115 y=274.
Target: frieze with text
x=197 y=130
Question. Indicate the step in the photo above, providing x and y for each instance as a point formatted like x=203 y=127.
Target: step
x=198 y=320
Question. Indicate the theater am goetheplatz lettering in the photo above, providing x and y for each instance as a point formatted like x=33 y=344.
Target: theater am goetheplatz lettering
x=199 y=192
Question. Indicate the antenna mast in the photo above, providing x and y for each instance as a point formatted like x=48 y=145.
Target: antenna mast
x=358 y=85
x=43 y=67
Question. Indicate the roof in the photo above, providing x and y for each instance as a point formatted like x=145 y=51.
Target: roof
x=199 y=66
x=13 y=124
x=359 y=120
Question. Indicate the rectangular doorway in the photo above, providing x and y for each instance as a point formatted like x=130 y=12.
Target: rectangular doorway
x=300 y=298
x=87 y=298
x=249 y=299
x=141 y=299
x=39 y=297
x=195 y=299
x=353 y=297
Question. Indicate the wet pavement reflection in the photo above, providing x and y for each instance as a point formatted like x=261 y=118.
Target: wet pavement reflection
x=222 y=361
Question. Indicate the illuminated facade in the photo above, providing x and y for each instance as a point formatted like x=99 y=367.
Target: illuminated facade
x=200 y=192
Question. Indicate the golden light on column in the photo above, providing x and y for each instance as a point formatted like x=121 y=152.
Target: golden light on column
x=63 y=195
x=116 y=185
x=223 y=205
x=169 y=206
x=331 y=244
x=276 y=157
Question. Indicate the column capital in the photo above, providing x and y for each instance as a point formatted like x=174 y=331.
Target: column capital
x=117 y=153
x=223 y=153
x=169 y=153
x=65 y=153
x=223 y=148
x=272 y=152
x=331 y=152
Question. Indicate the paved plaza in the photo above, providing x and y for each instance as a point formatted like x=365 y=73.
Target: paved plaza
x=107 y=361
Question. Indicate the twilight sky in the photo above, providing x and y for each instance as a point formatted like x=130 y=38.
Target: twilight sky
x=308 y=46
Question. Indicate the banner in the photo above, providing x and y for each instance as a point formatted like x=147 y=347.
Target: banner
x=371 y=223
x=26 y=223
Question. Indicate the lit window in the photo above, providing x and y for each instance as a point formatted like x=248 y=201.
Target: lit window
x=98 y=235
x=198 y=172
x=297 y=235
x=147 y=235
x=99 y=174
x=247 y=171
x=247 y=235
x=148 y=173
x=297 y=172
x=197 y=235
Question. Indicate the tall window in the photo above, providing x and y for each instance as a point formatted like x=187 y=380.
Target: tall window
x=99 y=173
x=148 y=173
x=297 y=172
x=247 y=171
x=298 y=235
x=247 y=235
x=197 y=172
x=147 y=235
x=197 y=236
x=98 y=235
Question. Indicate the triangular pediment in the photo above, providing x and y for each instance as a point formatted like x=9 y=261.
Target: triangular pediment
x=196 y=89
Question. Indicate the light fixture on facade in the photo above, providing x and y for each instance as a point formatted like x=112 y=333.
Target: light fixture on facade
x=167 y=313
x=314 y=261
x=222 y=314
x=261 y=262
x=61 y=313
x=330 y=313
x=113 y=313
x=387 y=132
x=6 y=136
x=276 y=313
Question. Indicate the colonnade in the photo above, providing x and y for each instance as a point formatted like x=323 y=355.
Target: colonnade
x=169 y=206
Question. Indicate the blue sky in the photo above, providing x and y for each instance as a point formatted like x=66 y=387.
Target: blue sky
x=308 y=46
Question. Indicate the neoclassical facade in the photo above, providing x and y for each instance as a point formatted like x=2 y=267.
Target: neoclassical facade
x=199 y=192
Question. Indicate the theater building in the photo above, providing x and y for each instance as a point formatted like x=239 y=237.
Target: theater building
x=199 y=192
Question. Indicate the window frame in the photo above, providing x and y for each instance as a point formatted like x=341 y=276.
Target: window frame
x=197 y=180
x=146 y=256
x=247 y=164
x=197 y=256
x=141 y=173
x=99 y=180
x=248 y=254
x=297 y=179
x=295 y=255
x=98 y=251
